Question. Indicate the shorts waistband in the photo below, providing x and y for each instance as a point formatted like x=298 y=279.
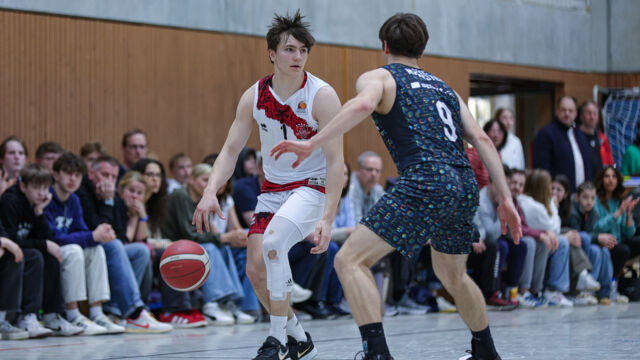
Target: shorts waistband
x=315 y=183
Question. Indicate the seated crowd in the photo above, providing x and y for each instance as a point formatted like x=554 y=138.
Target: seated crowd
x=81 y=236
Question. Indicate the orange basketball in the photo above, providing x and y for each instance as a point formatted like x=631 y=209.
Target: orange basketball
x=185 y=265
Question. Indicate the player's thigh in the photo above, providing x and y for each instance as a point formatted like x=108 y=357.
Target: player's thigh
x=448 y=267
x=304 y=208
x=363 y=247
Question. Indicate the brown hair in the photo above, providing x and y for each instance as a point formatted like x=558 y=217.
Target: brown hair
x=130 y=177
x=538 y=186
x=3 y=146
x=587 y=185
x=93 y=146
x=405 y=34
x=125 y=137
x=70 y=163
x=48 y=147
x=598 y=181
x=289 y=25
x=177 y=157
x=35 y=174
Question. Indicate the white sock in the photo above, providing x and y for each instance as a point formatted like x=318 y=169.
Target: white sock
x=3 y=315
x=72 y=314
x=279 y=328
x=295 y=329
x=95 y=311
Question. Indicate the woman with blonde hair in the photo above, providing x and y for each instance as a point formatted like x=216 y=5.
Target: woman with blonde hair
x=541 y=213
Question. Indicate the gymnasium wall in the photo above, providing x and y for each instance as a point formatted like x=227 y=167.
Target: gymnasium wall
x=72 y=80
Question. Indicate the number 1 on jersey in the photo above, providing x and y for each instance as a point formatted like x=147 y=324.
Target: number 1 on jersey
x=447 y=119
x=284 y=130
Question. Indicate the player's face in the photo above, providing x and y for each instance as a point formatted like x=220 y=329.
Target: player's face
x=14 y=157
x=370 y=172
x=558 y=192
x=135 y=149
x=182 y=170
x=68 y=181
x=516 y=184
x=153 y=177
x=589 y=116
x=587 y=199
x=506 y=118
x=290 y=56
x=495 y=134
x=566 y=112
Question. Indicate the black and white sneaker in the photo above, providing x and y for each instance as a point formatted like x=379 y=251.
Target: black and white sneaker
x=301 y=350
x=272 y=349
x=364 y=356
x=471 y=357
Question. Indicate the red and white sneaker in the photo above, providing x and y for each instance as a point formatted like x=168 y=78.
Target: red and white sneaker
x=145 y=323
x=183 y=319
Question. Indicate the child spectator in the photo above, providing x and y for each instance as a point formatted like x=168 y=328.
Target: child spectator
x=22 y=213
x=47 y=153
x=84 y=264
x=596 y=245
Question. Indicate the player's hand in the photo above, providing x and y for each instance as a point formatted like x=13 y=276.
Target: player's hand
x=208 y=204
x=13 y=248
x=54 y=250
x=607 y=240
x=509 y=216
x=479 y=247
x=301 y=148
x=321 y=237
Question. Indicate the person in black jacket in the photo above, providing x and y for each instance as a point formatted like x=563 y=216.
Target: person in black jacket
x=11 y=269
x=128 y=263
x=22 y=213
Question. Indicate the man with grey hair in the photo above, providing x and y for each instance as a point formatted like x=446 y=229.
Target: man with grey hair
x=365 y=191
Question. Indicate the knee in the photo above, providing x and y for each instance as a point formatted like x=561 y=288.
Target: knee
x=450 y=278
x=113 y=247
x=256 y=269
x=73 y=253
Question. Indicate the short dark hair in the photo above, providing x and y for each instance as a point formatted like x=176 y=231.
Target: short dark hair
x=289 y=25
x=3 y=146
x=69 y=163
x=516 y=171
x=48 y=147
x=104 y=158
x=405 y=34
x=128 y=134
x=35 y=174
x=575 y=101
x=175 y=158
x=503 y=128
x=587 y=185
x=92 y=146
x=210 y=159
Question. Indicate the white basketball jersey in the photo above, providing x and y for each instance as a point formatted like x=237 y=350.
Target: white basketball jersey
x=288 y=120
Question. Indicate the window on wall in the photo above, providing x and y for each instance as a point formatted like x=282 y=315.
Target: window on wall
x=484 y=107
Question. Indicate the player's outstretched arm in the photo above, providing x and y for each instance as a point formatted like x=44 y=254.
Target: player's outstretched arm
x=474 y=135
x=370 y=87
x=225 y=163
x=326 y=106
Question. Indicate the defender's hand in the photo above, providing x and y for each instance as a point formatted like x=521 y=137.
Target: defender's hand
x=302 y=149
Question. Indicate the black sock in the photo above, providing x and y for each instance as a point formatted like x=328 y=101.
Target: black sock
x=136 y=313
x=373 y=341
x=482 y=344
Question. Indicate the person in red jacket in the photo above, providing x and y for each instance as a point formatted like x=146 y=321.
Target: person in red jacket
x=598 y=142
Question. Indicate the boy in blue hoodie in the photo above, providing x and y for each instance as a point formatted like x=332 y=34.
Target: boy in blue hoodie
x=84 y=265
x=22 y=214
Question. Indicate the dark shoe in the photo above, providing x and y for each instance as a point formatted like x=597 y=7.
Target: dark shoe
x=364 y=356
x=471 y=357
x=478 y=353
x=337 y=311
x=272 y=349
x=301 y=350
x=496 y=303
x=316 y=309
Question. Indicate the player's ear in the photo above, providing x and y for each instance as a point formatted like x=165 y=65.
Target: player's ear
x=385 y=47
x=272 y=55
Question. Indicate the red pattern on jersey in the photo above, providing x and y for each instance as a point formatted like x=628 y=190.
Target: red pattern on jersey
x=273 y=109
x=260 y=222
x=268 y=186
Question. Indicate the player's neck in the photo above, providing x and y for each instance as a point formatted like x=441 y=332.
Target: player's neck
x=285 y=85
x=397 y=59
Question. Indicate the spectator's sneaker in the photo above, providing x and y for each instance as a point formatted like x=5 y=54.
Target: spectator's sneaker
x=242 y=318
x=90 y=328
x=31 y=324
x=300 y=294
x=337 y=310
x=104 y=321
x=181 y=320
x=585 y=299
x=361 y=355
x=616 y=296
x=316 y=309
x=10 y=332
x=556 y=298
x=390 y=310
x=60 y=325
x=301 y=350
x=444 y=306
x=406 y=305
x=622 y=299
x=586 y=282
x=145 y=323
x=605 y=301
x=530 y=301
x=218 y=316
x=272 y=349
x=496 y=303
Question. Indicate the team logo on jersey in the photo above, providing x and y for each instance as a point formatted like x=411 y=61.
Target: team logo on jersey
x=302 y=107
x=263 y=127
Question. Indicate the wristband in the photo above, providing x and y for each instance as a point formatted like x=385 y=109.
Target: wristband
x=144 y=219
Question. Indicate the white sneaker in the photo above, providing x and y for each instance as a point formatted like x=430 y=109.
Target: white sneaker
x=90 y=327
x=300 y=294
x=556 y=298
x=584 y=299
x=242 y=318
x=390 y=310
x=10 y=332
x=444 y=305
x=31 y=324
x=408 y=306
x=60 y=326
x=145 y=323
x=586 y=282
x=218 y=316
x=104 y=321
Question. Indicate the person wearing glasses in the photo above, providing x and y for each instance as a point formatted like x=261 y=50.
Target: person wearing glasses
x=134 y=148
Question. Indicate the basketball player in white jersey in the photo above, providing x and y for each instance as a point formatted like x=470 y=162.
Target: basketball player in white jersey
x=289 y=104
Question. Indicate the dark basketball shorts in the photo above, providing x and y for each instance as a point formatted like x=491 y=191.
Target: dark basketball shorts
x=435 y=202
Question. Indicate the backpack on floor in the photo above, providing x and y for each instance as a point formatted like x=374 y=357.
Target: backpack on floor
x=630 y=285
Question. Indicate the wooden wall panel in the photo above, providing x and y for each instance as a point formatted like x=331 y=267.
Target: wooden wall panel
x=72 y=80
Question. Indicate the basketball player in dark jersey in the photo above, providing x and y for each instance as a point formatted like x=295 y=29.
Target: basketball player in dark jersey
x=423 y=123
